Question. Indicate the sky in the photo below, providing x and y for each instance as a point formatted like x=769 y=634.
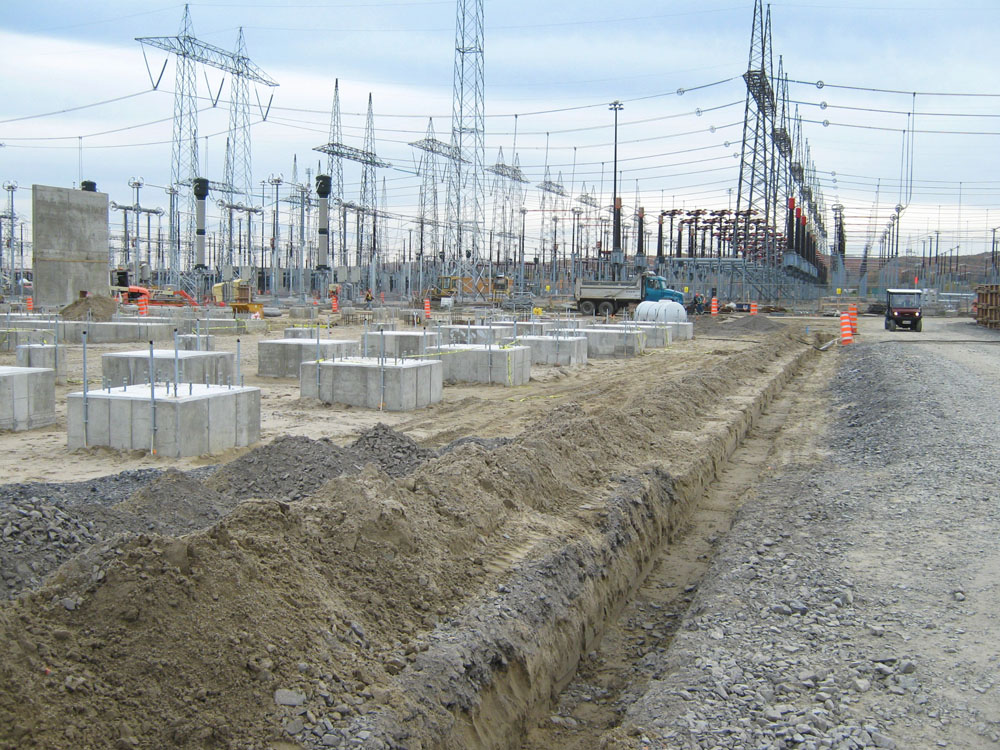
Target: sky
x=551 y=68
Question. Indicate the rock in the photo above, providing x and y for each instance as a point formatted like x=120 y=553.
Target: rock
x=881 y=740
x=861 y=685
x=295 y=726
x=286 y=697
x=906 y=667
x=959 y=596
x=330 y=740
x=781 y=609
x=68 y=603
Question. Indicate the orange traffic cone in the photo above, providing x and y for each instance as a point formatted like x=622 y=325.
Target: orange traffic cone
x=427 y=309
x=852 y=311
x=753 y=308
x=334 y=307
x=144 y=305
x=715 y=306
x=845 y=329
x=31 y=304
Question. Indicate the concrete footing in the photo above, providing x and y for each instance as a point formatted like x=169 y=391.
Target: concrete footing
x=682 y=331
x=471 y=363
x=200 y=419
x=12 y=338
x=281 y=358
x=657 y=336
x=534 y=328
x=46 y=356
x=27 y=397
x=303 y=312
x=374 y=384
x=609 y=344
x=488 y=334
x=192 y=342
x=132 y=368
x=562 y=351
x=398 y=344
x=299 y=332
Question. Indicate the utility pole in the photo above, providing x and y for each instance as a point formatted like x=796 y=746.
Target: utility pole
x=10 y=187
x=617 y=257
x=275 y=180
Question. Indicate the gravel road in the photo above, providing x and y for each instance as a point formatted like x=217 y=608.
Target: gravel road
x=853 y=603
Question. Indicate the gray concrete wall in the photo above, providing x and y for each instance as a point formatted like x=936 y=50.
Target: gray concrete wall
x=70 y=242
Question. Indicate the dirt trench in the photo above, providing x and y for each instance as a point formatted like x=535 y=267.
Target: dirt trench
x=444 y=608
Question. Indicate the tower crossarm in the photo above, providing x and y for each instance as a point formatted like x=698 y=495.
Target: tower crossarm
x=209 y=54
x=352 y=154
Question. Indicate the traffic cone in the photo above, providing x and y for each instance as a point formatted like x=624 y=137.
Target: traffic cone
x=715 y=306
x=845 y=329
x=852 y=311
x=334 y=307
x=753 y=308
x=427 y=309
x=31 y=304
x=143 y=305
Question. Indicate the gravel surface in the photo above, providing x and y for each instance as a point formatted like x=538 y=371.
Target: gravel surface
x=852 y=605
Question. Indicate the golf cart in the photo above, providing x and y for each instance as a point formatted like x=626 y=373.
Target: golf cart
x=902 y=309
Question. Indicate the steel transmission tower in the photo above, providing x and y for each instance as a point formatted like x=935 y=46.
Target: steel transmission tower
x=335 y=168
x=189 y=51
x=466 y=188
x=430 y=237
x=757 y=189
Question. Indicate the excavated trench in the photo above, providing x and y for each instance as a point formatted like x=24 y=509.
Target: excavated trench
x=445 y=605
x=488 y=676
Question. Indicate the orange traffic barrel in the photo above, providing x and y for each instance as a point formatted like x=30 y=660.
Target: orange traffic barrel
x=334 y=307
x=31 y=304
x=753 y=308
x=715 y=306
x=427 y=309
x=845 y=329
x=853 y=312
x=144 y=305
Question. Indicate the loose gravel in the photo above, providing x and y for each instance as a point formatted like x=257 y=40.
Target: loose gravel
x=852 y=605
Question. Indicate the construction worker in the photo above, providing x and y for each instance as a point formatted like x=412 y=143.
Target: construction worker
x=368 y=299
x=699 y=303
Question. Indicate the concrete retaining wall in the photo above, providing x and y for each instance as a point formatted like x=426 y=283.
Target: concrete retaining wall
x=27 y=397
x=200 y=419
x=402 y=386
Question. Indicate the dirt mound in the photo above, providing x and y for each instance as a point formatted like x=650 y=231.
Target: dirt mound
x=393 y=452
x=96 y=308
x=288 y=467
x=173 y=503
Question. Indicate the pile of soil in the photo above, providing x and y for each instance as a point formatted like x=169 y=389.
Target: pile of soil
x=735 y=325
x=288 y=620
x=96 y=308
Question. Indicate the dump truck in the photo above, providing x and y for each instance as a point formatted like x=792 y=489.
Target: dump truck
x=609 y=297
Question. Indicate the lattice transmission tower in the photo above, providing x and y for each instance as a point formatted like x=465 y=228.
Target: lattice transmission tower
x=755 y=196
x=189 y=51
x=466 y=188
x=335 y=168
x=429 y=239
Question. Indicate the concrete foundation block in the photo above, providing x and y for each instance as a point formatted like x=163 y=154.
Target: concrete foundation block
x=609 y=344
x=281 y=358
x=12 y=338
x=534 y=328
x=197 y=420
x=398 y=344
x=658 y=336
x=303 y=312
x=27 y=397
x=132 y=368
x=47 y=356
x=561 y=351
x=471 y=363
x=488 y=334
x=682 y=331
x=299 y=332
x=191 y=342
x=404 y=385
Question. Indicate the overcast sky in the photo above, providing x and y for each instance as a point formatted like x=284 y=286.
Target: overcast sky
x=576 y=56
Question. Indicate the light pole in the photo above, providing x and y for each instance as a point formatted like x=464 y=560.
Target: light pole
x=617 y=258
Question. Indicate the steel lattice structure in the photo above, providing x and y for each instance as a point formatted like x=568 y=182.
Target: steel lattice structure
x=466 y=188
x=335 y=168
x=429 y=171
x=189 y=52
